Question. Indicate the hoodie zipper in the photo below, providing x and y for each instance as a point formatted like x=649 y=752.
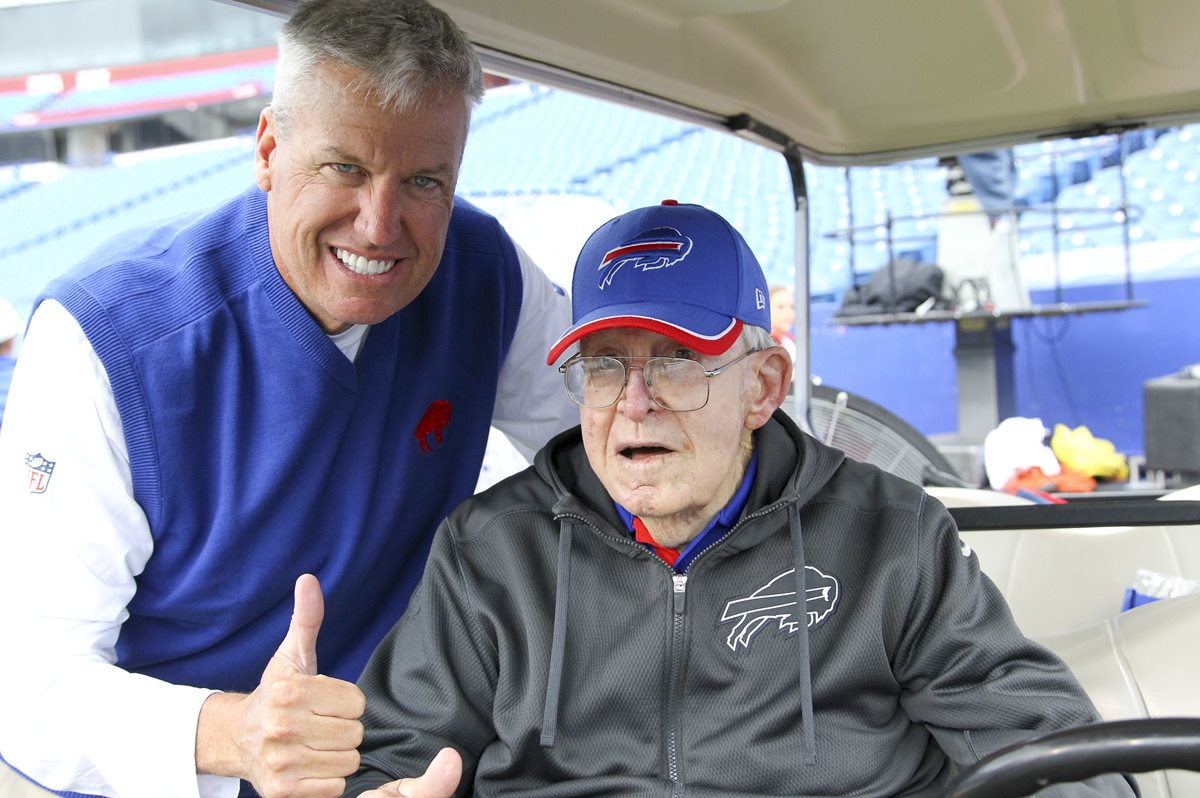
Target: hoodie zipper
x=678 y=597
x=678 y=605
x=674 y=686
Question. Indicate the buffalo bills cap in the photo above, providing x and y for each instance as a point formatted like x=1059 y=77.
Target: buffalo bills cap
x=678 y=270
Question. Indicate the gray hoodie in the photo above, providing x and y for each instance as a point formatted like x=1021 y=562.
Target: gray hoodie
x=560 y=658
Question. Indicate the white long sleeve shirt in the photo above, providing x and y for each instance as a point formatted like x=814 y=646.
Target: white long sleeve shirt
x=73 y=542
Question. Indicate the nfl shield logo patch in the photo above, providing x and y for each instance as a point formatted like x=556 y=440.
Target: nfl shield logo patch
x=40 y=470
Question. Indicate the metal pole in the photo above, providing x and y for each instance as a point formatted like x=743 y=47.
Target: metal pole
x=802 y=383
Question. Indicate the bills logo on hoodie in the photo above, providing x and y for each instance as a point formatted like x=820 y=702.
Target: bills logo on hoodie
x=40 y=470
x=774 y=605
x=656 y=248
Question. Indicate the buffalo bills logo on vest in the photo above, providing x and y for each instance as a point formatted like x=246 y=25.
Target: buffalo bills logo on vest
x=40 y=470
x=652 y=249
x=776 y=601
x=436 y=419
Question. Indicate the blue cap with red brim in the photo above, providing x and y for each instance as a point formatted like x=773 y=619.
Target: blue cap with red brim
x=678 y=270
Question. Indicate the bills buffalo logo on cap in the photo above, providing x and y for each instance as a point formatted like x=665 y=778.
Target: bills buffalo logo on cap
x=652 y=249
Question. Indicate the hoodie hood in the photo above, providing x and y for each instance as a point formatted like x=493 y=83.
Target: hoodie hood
x=793 y=468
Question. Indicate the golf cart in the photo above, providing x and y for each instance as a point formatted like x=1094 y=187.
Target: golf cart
x=861 y=82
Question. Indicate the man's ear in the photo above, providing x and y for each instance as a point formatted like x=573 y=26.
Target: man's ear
x=265 y=142
x=772 y=380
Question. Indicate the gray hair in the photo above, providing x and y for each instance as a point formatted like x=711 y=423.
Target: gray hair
x=405 y=50
x=756 y=338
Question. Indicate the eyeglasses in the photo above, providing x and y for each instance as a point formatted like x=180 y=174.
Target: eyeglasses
x=674 y=383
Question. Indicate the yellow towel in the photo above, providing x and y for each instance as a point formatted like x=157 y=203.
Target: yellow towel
x=1078 y=450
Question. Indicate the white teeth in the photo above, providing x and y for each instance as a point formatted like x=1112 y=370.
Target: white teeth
x=360 y=265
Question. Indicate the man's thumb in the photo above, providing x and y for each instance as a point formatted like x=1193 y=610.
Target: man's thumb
x=300 y=645
x=440 y=780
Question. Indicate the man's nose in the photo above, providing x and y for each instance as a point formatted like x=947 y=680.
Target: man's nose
x=380 y=216
x=635 y=400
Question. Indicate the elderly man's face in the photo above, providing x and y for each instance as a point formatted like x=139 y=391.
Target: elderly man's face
x=674 y=470
x=359 y=198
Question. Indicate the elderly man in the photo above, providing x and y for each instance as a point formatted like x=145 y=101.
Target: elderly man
x=687 y=594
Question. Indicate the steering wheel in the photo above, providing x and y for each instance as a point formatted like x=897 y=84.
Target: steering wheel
x=1123 y=746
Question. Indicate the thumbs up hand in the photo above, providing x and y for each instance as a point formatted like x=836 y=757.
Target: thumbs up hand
x=297 y=734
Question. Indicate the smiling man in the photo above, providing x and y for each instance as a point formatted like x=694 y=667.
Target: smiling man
x=360 y=196
x=625 y=619
x=300 y=382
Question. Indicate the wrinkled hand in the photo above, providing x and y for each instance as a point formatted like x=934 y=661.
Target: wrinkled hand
x=439 y=781
x=299 y=731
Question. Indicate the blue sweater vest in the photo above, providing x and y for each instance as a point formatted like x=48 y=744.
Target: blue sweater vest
x=259 y=451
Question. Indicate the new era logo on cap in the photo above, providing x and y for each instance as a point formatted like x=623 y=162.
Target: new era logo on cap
x=678 y=270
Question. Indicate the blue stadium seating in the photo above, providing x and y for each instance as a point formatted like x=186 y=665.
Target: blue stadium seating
x=528 y=141
x=52 y=226
x=152 y=89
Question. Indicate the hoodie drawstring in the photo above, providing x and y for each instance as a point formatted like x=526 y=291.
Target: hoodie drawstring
x=808 y=733
x=558 y=637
